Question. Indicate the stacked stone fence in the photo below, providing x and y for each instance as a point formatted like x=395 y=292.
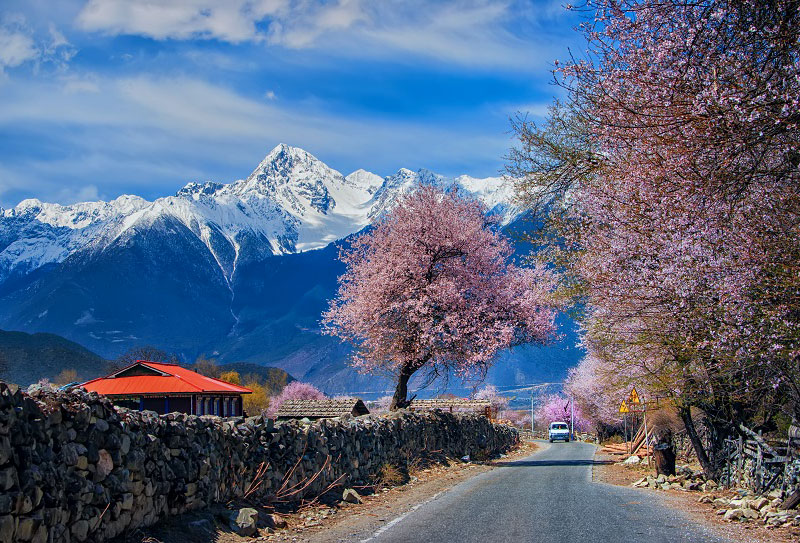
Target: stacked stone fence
x=74 y=468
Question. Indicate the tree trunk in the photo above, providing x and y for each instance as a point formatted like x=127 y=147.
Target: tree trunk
x=697 y=444
x=401 y=391
x=664 y=458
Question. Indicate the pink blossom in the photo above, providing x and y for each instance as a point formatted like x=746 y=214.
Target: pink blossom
x=432 y=287
x=295 y=390
x=489 y=392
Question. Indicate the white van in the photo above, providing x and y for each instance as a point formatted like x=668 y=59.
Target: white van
x=558 y=430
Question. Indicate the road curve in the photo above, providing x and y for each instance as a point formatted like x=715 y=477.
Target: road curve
x=547 y=497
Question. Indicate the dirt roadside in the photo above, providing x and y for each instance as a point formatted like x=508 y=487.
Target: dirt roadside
x=325 y=523
x=607 y=471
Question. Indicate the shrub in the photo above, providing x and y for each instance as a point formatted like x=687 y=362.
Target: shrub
x=295 y=390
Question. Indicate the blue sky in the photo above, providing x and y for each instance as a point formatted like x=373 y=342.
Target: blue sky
x=104 y=97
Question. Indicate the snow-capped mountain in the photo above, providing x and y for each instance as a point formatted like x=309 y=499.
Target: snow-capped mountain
x=223 y=270
x=292 y=202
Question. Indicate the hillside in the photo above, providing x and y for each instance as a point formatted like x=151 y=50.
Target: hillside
x=31 y=357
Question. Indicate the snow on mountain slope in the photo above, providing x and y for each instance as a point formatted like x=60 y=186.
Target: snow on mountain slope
x=292 y=202
x=34 y=233
x=496 y=193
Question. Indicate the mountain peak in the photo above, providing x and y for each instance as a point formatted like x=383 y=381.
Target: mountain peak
x=283 y=154
x=29 y=203
x=292 y=202
x=195 y=190
x=285 y=163
x=364 y=180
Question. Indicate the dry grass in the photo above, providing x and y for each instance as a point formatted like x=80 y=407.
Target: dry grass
x=390 y=476
x=612 y=440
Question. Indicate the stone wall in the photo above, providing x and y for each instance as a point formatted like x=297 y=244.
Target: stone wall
x=75 y=468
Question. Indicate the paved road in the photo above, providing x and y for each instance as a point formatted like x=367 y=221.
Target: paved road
x=547 y=497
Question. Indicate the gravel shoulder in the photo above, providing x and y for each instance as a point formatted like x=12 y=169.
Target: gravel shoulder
x=607 y=471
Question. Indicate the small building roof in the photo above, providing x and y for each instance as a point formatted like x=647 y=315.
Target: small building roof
x=456 y=403
x=321 y=409
x=145 y=377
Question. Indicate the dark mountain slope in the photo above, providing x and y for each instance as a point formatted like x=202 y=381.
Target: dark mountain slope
x=30 y=357
x=157 y=286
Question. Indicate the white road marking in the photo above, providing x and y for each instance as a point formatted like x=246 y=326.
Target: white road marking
x=401 y=517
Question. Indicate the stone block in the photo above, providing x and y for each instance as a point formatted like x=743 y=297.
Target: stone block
x=8 y=525
x=105 y=465
x=8 y=478
x=245 y=522
x=26 y=527
x=80 y=530
x=351 y=496
x=733 y=514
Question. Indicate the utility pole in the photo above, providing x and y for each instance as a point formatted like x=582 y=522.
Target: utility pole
x=625 y=431
x=572 y=418
x=533 y=426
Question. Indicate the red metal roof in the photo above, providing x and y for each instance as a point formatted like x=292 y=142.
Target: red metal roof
x=175 y=379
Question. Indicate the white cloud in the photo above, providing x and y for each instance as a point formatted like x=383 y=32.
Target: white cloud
x=270 y=95
x=73 y=83
x=468 y=32
x=233 y=20
x=71 y=195
x=302 y=27
x=537 y=110
x=16 y=47
x=19 y=44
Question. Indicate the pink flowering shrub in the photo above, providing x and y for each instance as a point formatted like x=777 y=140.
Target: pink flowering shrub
x=489 y=392
x=295 y=390
x=519 y=418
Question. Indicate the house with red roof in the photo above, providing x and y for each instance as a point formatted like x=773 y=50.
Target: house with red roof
x=167 y=388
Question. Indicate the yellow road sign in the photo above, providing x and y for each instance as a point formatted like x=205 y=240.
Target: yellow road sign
x=624 y=408
x=633 y=399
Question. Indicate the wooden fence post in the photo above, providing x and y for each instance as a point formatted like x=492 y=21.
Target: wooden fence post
x=759 y=462
x=646 y=437
x=739 y=462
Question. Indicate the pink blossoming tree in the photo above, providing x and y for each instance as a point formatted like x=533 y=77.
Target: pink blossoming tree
x=597 y=393
x=667 y=183
x=295 y=390
x=490 y=393
x=517 y=417
x=556 y=408
x=432 y=288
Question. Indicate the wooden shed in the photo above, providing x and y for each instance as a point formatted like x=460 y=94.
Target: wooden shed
x=320 y=409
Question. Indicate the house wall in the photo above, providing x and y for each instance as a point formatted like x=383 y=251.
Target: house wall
x=75 y=468
x=183 y=404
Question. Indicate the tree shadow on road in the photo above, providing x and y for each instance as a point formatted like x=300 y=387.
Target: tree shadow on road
x=543 y=463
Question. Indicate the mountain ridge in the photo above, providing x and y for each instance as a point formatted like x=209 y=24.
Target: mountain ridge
x=291 y=202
